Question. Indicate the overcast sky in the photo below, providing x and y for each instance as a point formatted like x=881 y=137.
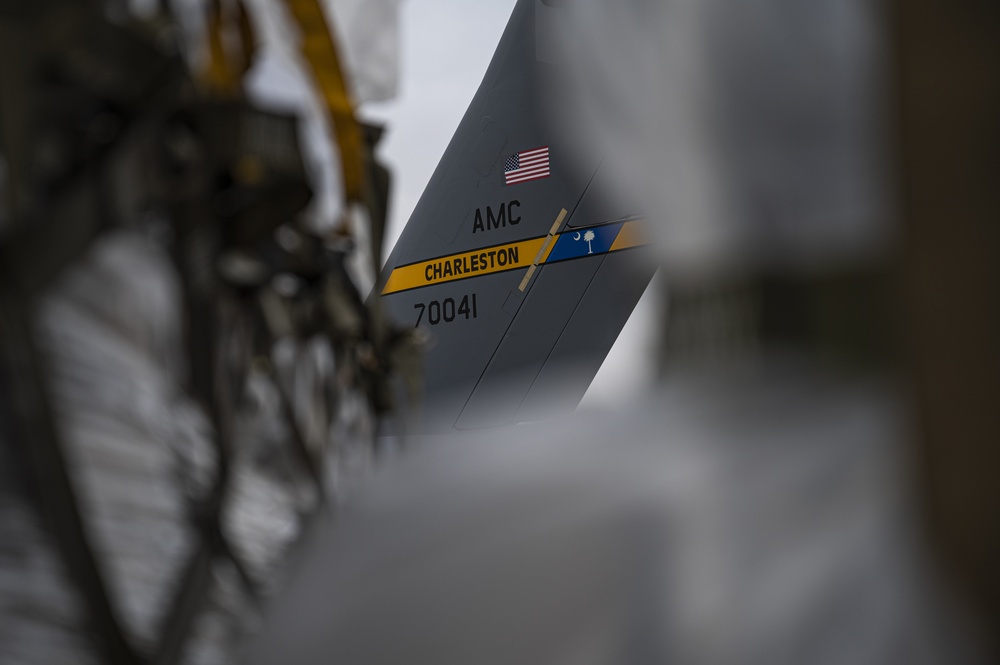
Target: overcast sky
x=446 y=48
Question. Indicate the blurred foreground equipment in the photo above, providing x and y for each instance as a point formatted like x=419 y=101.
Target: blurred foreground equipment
x=949 y=102
x=814 y=481
x=187 y=377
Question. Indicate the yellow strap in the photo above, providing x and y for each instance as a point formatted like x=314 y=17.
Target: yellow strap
x=218 y=76
x=320 y=51
x=223 y=73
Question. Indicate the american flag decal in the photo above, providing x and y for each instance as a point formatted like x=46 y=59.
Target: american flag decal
x=526 y=165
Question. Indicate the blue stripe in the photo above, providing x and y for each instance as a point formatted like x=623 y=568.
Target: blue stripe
x=572 y=244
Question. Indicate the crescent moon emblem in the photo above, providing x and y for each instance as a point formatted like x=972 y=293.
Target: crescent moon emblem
x=577 y=236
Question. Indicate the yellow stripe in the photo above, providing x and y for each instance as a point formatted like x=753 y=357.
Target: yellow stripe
x=488 y=260
x=524 y=254
x=629 y=236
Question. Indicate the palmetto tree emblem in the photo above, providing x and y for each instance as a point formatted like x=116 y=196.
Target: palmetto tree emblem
x=588 y=237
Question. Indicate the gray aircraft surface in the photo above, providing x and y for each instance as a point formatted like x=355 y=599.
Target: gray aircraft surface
x=515 y=261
